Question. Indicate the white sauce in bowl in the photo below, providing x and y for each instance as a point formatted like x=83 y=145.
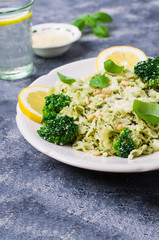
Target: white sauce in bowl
x=50 y=38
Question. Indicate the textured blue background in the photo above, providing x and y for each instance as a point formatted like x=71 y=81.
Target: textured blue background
x=41 y=198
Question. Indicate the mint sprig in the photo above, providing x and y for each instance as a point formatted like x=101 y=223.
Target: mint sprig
x=93 y=22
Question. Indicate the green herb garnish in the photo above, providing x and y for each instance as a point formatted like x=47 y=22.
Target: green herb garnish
x=147 y=111
x=99 y=81
x=101 y=31
x=92 y=21
x=80 y=23
x=65 y=79
x=102 y=17
x=89 y=20
x=111 y=67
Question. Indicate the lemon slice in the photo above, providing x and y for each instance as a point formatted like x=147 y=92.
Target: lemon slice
x=122 y=55
x=31 y=101
x=15 y=18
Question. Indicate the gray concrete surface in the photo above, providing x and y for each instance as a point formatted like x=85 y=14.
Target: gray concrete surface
x=41 y=198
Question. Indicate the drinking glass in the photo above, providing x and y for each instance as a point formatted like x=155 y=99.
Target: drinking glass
x=16 y=57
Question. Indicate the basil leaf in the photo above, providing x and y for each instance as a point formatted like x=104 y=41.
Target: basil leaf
x=65 y=79
x=92 y=21
x=101 y=31
x=147 y=111
x=80 y=23
x=99 y=81
x=102 y=17
x=89 y=20
x=111 y=67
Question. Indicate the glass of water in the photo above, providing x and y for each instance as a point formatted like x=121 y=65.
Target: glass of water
x=16 y=57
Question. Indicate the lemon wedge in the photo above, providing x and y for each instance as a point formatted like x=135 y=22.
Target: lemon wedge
x=122 y=55
x=15 y=18
x=31 y=101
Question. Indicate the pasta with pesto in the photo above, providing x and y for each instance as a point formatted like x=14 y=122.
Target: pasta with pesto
x=101 y=113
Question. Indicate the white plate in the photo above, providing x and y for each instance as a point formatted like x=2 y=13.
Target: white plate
x=66 y=154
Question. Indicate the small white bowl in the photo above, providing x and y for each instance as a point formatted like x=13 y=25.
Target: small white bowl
x=54 y=50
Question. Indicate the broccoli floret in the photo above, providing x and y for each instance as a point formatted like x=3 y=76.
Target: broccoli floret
x=56 y=128
x=124 y=144
x=55 y=103
x=60 y=130
x=48 y=116
x=148 y=71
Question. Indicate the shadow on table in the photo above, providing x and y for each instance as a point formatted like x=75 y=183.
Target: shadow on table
x=133 y=182
x=136 y=192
